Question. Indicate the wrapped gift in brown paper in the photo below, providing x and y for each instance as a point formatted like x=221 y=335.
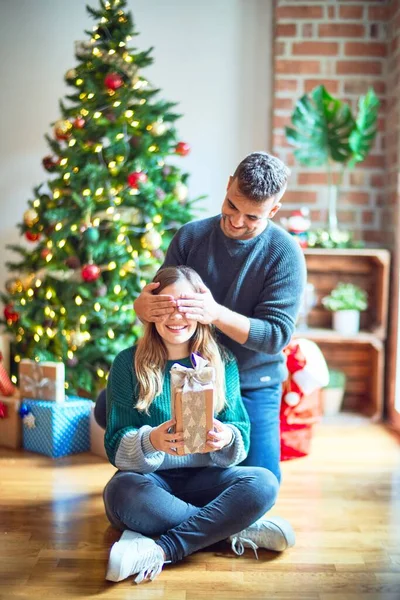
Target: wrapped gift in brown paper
x=10 y=422
x=42 y=381
x=192 y=397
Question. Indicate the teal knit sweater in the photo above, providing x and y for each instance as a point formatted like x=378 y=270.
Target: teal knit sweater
x=127 y=437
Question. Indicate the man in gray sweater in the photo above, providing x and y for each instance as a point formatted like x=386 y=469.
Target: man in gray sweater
x=255 y=275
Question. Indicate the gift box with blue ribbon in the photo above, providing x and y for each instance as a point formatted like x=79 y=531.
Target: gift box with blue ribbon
x=56 y=429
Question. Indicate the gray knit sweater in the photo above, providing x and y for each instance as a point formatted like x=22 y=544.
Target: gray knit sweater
x=262 y=278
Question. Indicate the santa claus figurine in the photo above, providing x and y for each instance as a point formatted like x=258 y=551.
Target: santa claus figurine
x=301 y=404
x=298 y=225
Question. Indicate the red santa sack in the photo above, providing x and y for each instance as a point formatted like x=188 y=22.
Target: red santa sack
x=301 y=405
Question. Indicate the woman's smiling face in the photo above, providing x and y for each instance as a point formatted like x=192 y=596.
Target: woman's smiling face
x=176 y=330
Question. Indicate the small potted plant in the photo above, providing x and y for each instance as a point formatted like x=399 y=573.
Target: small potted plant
x=346 y=301
x=333 y=393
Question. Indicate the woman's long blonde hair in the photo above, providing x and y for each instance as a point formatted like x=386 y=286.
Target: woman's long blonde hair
x=151 y=354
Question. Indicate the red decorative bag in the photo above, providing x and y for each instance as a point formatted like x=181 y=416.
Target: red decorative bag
x=301 y=402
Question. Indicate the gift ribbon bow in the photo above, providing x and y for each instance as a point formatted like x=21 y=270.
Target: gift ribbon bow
x=37 y=384
x=194 y=379
x=192 y=382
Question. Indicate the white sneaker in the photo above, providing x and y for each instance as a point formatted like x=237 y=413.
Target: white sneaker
x=273 y=533
x=134 y=553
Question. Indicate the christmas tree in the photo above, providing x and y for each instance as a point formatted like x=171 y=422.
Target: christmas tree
x=100 y=224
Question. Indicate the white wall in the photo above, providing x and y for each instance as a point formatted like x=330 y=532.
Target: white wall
x=211 y=56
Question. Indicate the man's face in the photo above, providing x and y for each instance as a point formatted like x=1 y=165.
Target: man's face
x=243 y=219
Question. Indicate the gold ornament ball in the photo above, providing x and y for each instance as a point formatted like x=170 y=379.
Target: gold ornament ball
x=13 y=286
x=62 y=128
x=158 y=128
x=151 y=240
x=28 y=280
x=181 y=191
x=77 y=338
x=30 y=217
x=71 y=74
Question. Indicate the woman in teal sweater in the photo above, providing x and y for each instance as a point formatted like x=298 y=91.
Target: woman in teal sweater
x=187 y=501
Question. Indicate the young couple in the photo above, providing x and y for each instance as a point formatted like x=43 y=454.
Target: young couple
x=168 y=505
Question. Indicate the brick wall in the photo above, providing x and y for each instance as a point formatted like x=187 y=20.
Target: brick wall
x=342 y=44
x=391 y=212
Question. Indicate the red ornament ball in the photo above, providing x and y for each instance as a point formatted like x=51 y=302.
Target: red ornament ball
x=90 y=272
x=10 y=314
x=50 y=163
x=73 y=262
x=32 y=237
x=135 y=178
x=79 y=123
x=113 y=81
x=182 y=148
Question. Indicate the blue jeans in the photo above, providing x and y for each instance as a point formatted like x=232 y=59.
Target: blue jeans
x=189 y=509
x=263 y=407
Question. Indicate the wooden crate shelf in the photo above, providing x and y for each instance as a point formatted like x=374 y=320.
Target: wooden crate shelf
x=368 y=269
x=362 y=356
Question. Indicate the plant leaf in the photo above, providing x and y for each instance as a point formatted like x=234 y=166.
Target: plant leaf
x=321 y=129
x=362 y=138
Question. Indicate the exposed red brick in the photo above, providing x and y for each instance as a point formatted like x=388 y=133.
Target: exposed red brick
x=284 y=103
x=279 y=122
x=295 y=67
x=374 y=236
x=331 y=12
x=360 y=86
x=350 y=12
x=368 y=216
x=285 y=30
x=307 y=30
x=357 y=178
x=286 y=85
x=316 y=48
x=346 y=216
x=313 y=178
x=332 y=85
x=374 y=161
x=359 y=67
x=365 y=49
x=379 y=87
x=303 y=197
x=355 y=197
x=279 y=141
x=381 y=124
x=336 y=30
x=299 y=12
x=377 y=13
x=377 y=181
x=280 y=48
x=290 y=160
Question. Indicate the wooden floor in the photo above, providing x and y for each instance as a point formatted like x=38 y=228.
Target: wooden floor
x=344 y=502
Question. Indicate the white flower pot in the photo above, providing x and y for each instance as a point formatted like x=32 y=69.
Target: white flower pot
x=346 y=322
x=332 y=399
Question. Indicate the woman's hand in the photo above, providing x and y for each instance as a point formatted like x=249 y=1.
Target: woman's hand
x=164 y=441
x=218 y=438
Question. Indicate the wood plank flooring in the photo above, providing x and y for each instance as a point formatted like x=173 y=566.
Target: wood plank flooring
x=343 y=500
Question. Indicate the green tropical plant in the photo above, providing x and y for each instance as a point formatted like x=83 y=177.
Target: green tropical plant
x=324 y=132
x=346 y=296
